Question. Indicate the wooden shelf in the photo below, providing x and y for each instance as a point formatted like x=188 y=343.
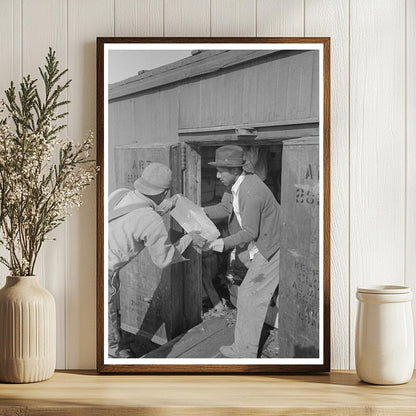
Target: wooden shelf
x=86 y=393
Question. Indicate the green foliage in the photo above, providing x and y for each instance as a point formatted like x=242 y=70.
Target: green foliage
x=36 y=193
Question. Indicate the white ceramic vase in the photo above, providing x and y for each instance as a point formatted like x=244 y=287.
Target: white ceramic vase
x=27 y=331
x=384 y=340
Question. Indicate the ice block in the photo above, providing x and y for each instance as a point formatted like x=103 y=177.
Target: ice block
x=191 y=217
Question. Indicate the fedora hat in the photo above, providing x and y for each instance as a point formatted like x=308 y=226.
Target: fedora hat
x=229 y=156
x=155 y=179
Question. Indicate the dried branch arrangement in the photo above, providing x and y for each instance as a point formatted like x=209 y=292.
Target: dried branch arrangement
x=42 y=175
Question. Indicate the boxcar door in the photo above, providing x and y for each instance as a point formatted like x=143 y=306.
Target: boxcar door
x=151 y=299
x=191 y=165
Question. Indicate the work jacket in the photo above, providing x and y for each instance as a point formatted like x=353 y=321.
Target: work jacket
x=260 y=216
x=142 y=227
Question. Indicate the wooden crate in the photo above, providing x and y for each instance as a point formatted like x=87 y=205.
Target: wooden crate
x=152 y=301
x=130 y=161
x=299 y=267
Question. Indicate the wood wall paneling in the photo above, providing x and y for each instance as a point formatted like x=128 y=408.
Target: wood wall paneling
x=331 y=18
x=10 y=44
x=373 y=164
x=377 y=147
x=44 y=25
x=300 y=82
x=155 y=117
x=411 y=149
x=141 y=128
x=233 y=18
x=280 y=18
x=315 y=87
x=187 y=18
x=282 y=80
x=234 y=96
x=112 y=128
x=201 y=105
x=190 y=104
x=138 y=17
x=145 y=118
x=10 y=65
x=261 y=102
x=168 y=125
x=6 y=45
x=121 y=130
x=268 y=90
x=247 y=93
x=86 y=20
x=208 y=104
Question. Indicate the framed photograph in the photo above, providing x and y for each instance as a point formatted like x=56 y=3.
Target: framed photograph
x=213 y=205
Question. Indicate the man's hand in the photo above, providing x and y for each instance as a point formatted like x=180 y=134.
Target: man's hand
x=197 y=239
x=217 y=245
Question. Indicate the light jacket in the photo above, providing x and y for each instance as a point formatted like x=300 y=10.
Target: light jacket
x=143 y=227
x=260 y=216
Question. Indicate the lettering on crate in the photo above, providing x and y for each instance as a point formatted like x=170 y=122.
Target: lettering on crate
x=309 y=316
x=306 y=291
x=131 y=178
x=312 y=172
x=137 y=169
x=307 y=194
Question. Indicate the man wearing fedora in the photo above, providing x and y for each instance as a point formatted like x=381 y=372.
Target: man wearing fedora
x=257 y=212
x=135 y=223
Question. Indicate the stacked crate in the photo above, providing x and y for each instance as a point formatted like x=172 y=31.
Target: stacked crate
x=299 y=267
x=152 y=301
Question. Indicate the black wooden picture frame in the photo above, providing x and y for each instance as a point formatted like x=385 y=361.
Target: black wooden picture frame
x=186 y=119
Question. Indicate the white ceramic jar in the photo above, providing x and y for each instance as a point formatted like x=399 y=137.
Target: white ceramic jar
x=384 y=337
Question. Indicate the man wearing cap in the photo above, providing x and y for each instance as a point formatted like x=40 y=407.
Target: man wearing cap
x=135 y=223
x=257 y=212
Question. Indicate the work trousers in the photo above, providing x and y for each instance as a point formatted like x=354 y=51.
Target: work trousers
x=113 y=307
x=253 y=300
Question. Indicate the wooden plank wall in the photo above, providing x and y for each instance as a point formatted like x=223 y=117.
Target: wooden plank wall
x=372 y=124
x=247 y=93
x=242 y=94
x=331 y=18
x=377 y=140
x=410 y=163
x=137 y=120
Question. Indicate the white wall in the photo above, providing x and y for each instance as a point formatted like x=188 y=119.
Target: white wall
x=373 y=132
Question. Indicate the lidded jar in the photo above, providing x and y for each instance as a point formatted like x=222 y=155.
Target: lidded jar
x=384 y=337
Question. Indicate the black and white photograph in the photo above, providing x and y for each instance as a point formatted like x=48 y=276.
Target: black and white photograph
x=212 y=251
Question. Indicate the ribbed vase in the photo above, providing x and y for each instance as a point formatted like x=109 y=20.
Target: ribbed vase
x=27 y=331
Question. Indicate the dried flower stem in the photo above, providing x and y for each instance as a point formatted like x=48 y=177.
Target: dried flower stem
x=36 y=194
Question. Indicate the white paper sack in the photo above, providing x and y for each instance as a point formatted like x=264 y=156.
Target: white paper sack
x=191 y=217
